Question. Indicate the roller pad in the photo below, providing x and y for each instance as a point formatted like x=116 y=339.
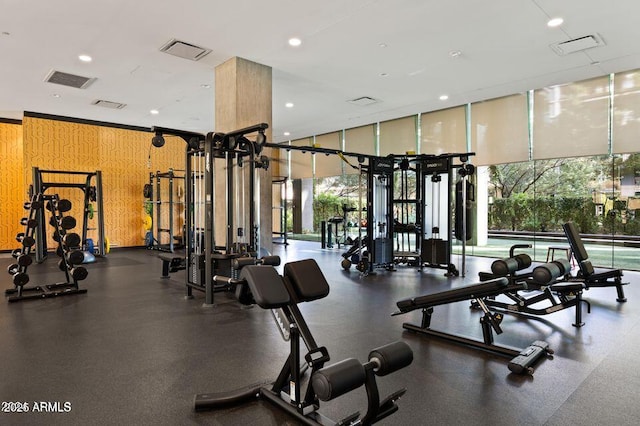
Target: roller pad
x=549 y=272
x=522 y=364
x=504 y=267
x=271 y=260
x=337 y=379
x=391 y=357
x=266 y=286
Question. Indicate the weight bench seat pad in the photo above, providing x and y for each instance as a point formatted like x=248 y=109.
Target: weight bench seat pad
x=266 y=285
x=474 y=291
x=307 y=280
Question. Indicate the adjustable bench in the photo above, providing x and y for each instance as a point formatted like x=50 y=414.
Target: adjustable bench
x=591 y=277
x=304 y=282
x=522 y=361
x=547 y=280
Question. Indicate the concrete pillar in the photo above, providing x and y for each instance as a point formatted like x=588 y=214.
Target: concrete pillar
x=482 y=206
x=302 y=205
x=242 y=99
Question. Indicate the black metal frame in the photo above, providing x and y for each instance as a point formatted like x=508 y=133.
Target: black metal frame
x=92 y=179
x=205 y=258
x=70 y=285
x=157 y=228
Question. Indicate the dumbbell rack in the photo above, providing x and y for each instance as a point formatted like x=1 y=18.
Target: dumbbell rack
x=67 y=241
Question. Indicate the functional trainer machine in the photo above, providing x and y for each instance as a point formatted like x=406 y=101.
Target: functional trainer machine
x=234 y=160
x=303 y=281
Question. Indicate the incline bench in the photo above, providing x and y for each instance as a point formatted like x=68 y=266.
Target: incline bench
x=591 y=277
x=303 y=281
x=522 y=361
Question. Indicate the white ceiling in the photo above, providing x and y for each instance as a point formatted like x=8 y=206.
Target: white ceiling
x=504 y=47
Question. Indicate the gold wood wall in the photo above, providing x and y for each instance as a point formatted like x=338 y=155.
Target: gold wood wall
x=121 y=155
x=12 y=187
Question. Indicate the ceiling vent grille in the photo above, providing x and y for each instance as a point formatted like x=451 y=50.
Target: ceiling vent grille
x=70 y=80
x=184 y=50
x=578 y=44
x=108 y=104
x=363 y=101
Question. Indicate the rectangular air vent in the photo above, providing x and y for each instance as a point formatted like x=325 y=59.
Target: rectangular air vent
x=66 y=79
x=184 y=50
x=578 y=44
x=363 y=101
x=108 y=104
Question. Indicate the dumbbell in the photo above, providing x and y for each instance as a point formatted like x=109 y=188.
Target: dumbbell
x=75 y=257
x=71 y=240
x=16 y=253
x=33 y=205
x=64 y=205
x=24 y=260
x=13 y=268
x=62 y=265
x=79 y=273
x=67 y=222
x=20 y=279
x=26 y=240
x=29 y=223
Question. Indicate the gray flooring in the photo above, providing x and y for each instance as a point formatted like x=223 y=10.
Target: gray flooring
x=133 y=351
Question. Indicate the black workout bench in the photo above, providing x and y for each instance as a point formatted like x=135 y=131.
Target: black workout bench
x=304 y=282
x=522 y=361
x=171 y=263
x=587 y=274
x=547 y=283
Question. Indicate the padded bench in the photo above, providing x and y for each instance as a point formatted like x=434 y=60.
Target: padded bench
x=171 y=263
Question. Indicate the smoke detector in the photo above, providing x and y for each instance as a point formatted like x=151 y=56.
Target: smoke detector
x=184 y=50
x=578 y=44
x=70 y=80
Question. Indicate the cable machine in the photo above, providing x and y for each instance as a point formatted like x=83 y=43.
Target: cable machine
x=438 y=208
x=232 y=161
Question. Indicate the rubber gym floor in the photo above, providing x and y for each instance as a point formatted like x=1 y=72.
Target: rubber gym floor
x=133 y=351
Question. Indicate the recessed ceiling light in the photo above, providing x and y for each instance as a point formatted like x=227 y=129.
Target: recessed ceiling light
x=383 y=45
x=289 y=104
x=455 y=53
x=444 y=97
x=286 y=133
x=85 y=58
x=384 y=74
x=154 y=112
x=205 y=86
x=55 y=95
x=295 y=42
x=555 y=22
x=5 y=33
